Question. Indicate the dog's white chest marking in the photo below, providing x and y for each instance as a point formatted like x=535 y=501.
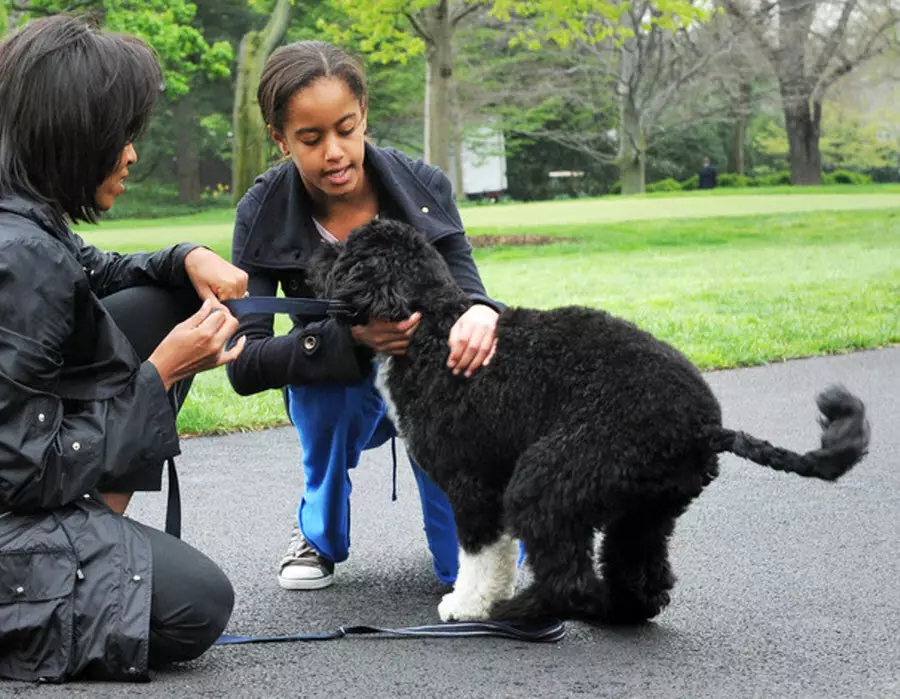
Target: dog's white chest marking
x=381 y=383
x=484 y=578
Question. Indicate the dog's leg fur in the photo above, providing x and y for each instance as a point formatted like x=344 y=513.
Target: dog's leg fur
x=487 y=556
x=484 y=578
x=548 y=505
x=636 y=573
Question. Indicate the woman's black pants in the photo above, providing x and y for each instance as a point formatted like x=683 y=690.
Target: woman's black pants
x=192 y=599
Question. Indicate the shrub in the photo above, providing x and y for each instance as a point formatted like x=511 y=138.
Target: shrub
x=152 y=200
x=666 y=185
x=846 y=177
x=691 y=183
x=731 y=179
x=776 y=179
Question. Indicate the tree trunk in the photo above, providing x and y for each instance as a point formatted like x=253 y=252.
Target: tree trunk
x=632 y=157
x=736 y=153
x=251 y=142
x=459 y=188
x=438 y=86
x=187 y=159
x=802 y=115
x=802 y=122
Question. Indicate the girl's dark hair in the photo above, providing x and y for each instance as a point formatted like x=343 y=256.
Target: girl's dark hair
x=295 y=66
x=71 y=99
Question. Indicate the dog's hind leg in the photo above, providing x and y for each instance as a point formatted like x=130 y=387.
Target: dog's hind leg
x=637 y=576
x=487 y=557
x=549 y=506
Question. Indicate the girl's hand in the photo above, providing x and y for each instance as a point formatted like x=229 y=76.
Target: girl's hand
x=386 y=336
x=473 y=340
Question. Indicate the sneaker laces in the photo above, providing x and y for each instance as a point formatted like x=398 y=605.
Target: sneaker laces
x=299 y=549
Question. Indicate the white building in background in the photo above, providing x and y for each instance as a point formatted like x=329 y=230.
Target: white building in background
x=483 y=165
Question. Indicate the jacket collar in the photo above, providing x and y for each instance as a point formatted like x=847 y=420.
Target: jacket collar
x=282 y=235
x=40 y=212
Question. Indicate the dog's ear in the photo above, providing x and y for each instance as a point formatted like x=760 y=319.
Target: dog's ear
x=372 y=286
x=318 y=270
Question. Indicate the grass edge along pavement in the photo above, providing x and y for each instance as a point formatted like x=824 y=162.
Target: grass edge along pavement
x=766 y=288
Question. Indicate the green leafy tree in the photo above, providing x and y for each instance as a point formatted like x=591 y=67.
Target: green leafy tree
x=810 y=45
x=186 y=57
x=652 y=50
x=847 y=141
x=251 y=143
x=393 y=31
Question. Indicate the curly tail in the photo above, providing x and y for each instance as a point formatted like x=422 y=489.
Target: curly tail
x=845 y=440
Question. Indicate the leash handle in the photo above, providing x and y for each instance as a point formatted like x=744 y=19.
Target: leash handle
x=307 y=309
x=532 y=632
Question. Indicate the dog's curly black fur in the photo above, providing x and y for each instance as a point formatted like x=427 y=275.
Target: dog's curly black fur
x=581 y=422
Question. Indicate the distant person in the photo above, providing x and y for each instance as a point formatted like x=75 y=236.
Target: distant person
x=314 y=100
x=96 y=352
x=709 y=179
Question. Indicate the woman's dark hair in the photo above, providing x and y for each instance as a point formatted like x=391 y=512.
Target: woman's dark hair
x=293 y=67
x=71 y=99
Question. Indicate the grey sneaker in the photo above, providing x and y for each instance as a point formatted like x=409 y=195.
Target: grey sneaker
x=302 y=568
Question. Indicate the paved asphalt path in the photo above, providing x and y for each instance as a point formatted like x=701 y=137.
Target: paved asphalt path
x=787 y=587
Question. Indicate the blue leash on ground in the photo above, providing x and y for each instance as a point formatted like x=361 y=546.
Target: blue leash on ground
x=536 y=632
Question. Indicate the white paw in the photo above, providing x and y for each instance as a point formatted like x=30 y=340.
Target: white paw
x=457 y=607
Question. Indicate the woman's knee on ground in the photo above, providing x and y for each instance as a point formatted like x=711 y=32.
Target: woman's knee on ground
x=196 y=623
x=192 y=600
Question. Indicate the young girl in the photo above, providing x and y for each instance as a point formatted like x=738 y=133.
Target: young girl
x=91 y=343
x=313 y=99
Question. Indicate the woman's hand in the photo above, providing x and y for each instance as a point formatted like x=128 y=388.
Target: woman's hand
x=386 y=336
x=213 y=277
x=473 y=339
x=197 y=344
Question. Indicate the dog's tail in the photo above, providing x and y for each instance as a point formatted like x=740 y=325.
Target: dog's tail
x=845 y=440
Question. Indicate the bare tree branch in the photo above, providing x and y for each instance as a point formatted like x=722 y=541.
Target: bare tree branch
x=464 y=11
x=833 y=41
x=754 y=26
x=419 y=29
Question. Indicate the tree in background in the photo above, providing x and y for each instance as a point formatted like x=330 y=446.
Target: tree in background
x=395 y=30
x=251 y=142
x=652 y=50
x=186 y=57
x=810 y=44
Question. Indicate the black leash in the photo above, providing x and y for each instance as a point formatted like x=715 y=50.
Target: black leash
x=307 y=309
x=535 y=632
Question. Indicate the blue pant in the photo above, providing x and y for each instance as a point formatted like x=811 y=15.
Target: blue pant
x=336 y=422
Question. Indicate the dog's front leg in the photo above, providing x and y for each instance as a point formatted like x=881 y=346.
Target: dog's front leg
x=485 y=576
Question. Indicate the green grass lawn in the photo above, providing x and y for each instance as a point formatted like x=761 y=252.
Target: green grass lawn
x=728 y=290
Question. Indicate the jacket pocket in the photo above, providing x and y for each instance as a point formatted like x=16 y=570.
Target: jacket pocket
x=37 y=614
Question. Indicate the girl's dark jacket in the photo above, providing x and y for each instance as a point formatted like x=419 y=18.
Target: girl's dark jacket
x=76 y=405
x=274 y=236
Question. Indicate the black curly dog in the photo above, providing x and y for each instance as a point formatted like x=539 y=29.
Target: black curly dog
x=581 y=422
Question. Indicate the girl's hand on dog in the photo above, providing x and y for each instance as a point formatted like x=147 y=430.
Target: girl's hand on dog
x=473 y=340
x=386 y=336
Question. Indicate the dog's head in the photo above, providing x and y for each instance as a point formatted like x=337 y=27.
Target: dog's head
x=385 y=269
